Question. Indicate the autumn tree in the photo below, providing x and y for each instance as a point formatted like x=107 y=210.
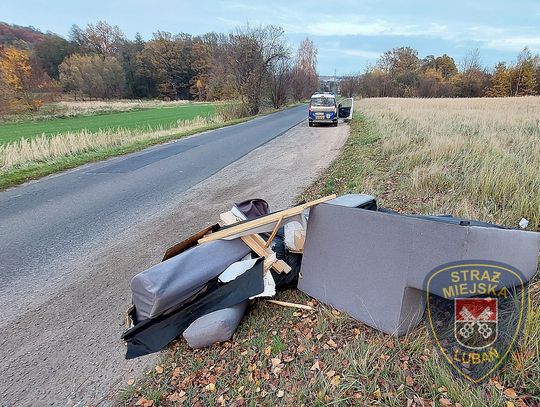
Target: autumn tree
x=203 y=62
x=402 y=64
x=23 y=84
x=252 y=50
x=280 y=79
x=211 y=64
x=93 y=76
x=501 y=83
x=168 y=59
x=443 y=64
x=473 y=80
x=100 y=38
x=432 y=83
x=50 y=52
x=524 y=74
x=350 y=86
x=304 y=77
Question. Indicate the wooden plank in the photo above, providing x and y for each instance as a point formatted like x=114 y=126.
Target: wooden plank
x=263 y=220
x=188 y=243
x=273 y=235
x=291 y=304
x=257 y=244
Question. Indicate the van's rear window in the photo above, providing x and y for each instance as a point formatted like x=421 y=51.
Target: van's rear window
x=322 y=101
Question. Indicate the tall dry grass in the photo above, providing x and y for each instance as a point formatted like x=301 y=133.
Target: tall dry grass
x=43 y=148
x=477 y=158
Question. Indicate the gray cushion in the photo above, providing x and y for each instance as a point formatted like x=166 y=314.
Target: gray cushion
x=167 y=285
x=217 y=326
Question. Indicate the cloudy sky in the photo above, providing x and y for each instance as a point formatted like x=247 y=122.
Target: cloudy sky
x=349 y=34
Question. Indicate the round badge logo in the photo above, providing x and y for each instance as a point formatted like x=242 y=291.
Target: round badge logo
x=475 y=312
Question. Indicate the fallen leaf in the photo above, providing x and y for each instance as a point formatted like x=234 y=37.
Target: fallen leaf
x=510 y=404
x=442 y=389
x=276 y=362
x=159 y=369
x=445 y=402
x=177 y=396
x=280 y=394
x=130 y=382
x=315 y=366
x=330 y=374
x=336 y=313
x=330 y=342
x=268 y=351
x=221 y=400
x=510 y=393
x=288 y=359
x=143 y=402
x=336 y=380
x=409 y=380
x=377 y=394
x=210 y=387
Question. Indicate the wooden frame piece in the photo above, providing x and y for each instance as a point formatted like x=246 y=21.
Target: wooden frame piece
x=258 y=245
x=263 y=220
x=273 y=235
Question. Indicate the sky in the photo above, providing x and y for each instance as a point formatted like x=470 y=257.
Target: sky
x=350 y=35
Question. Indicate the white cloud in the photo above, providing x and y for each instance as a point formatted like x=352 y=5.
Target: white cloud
x=515 y=43
x=486 y=36
x=360 y=53
x=368 y=27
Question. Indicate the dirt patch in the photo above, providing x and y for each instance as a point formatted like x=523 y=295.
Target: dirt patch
x=79 y=359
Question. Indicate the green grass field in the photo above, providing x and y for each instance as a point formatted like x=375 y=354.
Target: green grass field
x=137 y=119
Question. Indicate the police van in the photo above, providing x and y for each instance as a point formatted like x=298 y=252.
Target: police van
x=323 y=108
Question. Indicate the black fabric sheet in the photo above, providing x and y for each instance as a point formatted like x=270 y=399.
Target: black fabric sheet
x=152 y=335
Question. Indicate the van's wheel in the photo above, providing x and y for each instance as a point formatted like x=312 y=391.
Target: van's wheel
x=310 y=124
x=335 y=124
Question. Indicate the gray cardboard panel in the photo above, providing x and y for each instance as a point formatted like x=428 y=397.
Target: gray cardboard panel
x=373 y=264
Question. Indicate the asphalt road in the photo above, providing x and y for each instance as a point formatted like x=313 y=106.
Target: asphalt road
x=45 y=222
x=71 y=243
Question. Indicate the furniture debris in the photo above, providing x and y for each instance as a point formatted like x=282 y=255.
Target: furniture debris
x=217 y=326
x=153 y=334
x=166 y=285
x=198 y=287
x=262 y=224
x=372 y=263
x=344 y=251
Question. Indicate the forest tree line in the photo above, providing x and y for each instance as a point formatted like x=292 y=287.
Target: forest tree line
x=400 y=72
x=251 y=64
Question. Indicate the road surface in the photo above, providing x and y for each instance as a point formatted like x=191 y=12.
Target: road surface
x=71 y=243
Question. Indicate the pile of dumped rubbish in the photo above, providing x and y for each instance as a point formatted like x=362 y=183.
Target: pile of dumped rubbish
x=346 y=252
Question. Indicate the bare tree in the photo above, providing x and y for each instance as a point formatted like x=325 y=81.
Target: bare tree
x=304 y=74
x=280 y=78
x=252 y=50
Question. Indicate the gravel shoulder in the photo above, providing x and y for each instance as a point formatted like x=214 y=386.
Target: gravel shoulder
x=67 y=350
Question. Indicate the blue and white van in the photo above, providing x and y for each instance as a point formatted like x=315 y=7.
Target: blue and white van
x=323 y=108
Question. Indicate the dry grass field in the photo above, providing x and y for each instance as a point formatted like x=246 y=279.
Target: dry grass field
x=477 y=158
